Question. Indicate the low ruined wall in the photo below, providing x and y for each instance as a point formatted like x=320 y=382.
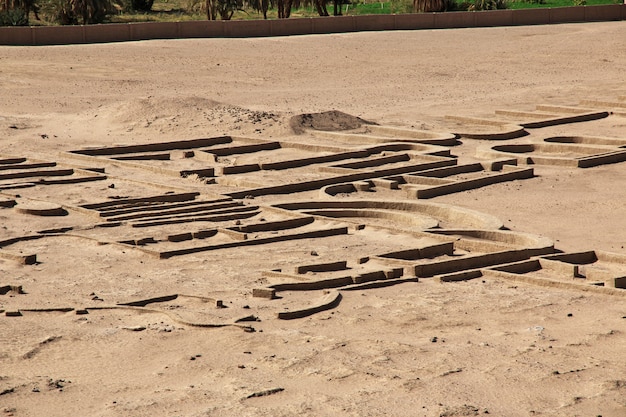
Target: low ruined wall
x=59 y=35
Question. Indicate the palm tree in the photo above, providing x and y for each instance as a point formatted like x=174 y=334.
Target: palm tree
x=427 y=6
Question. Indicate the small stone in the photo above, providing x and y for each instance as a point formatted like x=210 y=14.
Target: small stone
x=313 y=253
x=434 y=339
x=135 y=328
x=570 y=315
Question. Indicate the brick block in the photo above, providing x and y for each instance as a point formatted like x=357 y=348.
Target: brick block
x=491 y=18
x=201 y=29
x=153 y=30
x=335 y=24
x=288 y=27
x=375 y=22
x=455 y=20
x=531 y=17
x=415 y=21
x=603 y=13
x=16 y=36
x=113 y=32
x=246 y=28
x=58 y=35
x=567 y=14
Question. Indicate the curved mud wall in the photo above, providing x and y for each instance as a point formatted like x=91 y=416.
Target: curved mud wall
x=60 y=35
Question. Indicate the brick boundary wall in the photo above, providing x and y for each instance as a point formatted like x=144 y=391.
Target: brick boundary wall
x=121 y=32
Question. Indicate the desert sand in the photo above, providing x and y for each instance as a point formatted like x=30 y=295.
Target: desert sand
x=491 y=343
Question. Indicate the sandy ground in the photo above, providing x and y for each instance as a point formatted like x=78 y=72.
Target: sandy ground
x=484 y=346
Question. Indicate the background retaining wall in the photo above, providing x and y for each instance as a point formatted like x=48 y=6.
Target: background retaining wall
x=61 y=35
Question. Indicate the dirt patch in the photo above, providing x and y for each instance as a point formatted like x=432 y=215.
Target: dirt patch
x=495 y=343
x=329 y=120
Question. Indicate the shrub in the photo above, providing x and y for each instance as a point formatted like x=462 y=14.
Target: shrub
x=73 y=12
x=13 y=17
x=141 y=5
x=427 y=6
x=487 y=5
x=194 y=6
x=224 y=8
x=15 y=12
x=401 y=6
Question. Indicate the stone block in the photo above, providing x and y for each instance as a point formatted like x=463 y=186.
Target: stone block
x=181 y=154
x=268 y=293
x=362 y=185
x=618 y=282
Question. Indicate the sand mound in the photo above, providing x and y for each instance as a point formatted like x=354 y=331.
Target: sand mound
x=329 y=120
x=169 y=114
x=153 y=108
